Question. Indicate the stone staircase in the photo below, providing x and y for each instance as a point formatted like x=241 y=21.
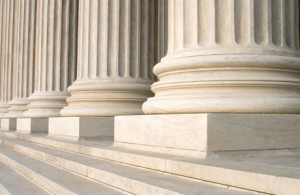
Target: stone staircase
x=45 y=165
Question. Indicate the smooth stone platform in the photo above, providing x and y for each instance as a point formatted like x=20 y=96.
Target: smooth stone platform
x=8 y=124
x=31 y=125
x=198 y=134
x=81 y=127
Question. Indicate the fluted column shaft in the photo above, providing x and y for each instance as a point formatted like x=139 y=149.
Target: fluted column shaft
x=6 y=54
x=116 y=54
x=23 y=54
x=2 y=40
x=229 y=56
x=54 y=56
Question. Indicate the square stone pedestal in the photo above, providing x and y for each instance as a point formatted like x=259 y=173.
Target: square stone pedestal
x=81 y=127
x=8 y=124
x=32 y=125
x=197 y=135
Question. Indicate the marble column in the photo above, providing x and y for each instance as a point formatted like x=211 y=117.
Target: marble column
x=17 y=49
x=229 y=56
x=54 y=56
x=2 y=40
x=6 y=54
x=23 y=57
x=116 y=54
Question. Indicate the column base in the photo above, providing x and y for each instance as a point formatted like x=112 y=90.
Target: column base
x=46 y=104
x=3 y=109
x=197 y=135
x=226 y=83
x=8 y=124
x=75 y=128
x=106 y=97
x=17 y=107
x=32 y=125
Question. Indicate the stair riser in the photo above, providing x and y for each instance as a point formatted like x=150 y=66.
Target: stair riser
x=123 y=183
x=35 y=177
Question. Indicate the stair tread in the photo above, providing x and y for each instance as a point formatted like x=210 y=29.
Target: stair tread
x=67 y=180
x=15 y=183
x=165 y=181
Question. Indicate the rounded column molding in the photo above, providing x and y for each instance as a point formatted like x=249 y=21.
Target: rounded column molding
x=46 y=104
x=107 y=97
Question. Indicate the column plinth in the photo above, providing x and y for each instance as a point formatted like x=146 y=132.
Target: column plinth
x=229 y=56
x=116 y=54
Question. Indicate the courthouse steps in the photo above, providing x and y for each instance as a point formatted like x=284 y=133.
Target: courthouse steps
x=53 y=179
x=158 y=173
x=12 y=182
x=25 y=157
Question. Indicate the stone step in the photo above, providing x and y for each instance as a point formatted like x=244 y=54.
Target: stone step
x=12 y=182
x=131 y=179
x=259 y=177
x=54 y=179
